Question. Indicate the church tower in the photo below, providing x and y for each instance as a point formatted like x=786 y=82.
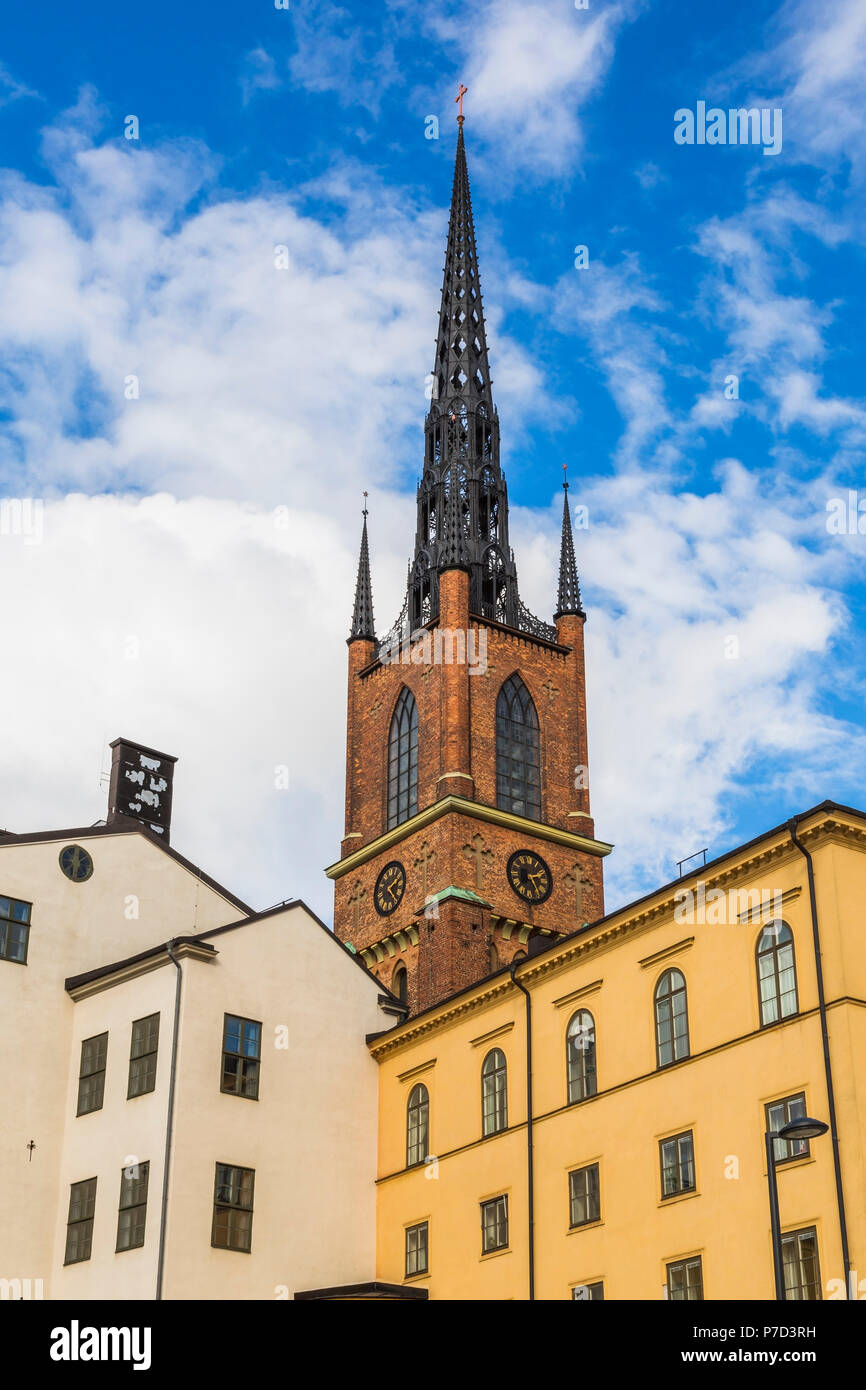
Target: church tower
x=468 y=829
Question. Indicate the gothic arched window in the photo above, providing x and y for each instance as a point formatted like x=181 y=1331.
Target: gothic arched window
x=518 y=759
x=672 y=1018
x=777 y=974
x=417 y=1125
x=580 y=1056
x=403 y=760
x=494 y=1093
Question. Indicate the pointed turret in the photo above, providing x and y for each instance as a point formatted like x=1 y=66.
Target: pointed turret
x=568 y=600
x=362 y=617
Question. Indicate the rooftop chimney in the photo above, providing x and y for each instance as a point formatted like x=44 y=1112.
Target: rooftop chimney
x=140 y=787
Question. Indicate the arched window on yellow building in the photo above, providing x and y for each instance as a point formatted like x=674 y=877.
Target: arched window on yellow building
x=494 y=1093
x=672 y=1019
x=580 y=1056
x=777 y=973
x=417 y=1125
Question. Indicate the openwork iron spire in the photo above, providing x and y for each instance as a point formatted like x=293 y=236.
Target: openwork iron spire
x=454 y=550
x=462 y=496
x=568 y=600
x=362 y=617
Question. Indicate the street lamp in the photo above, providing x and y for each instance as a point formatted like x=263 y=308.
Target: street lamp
x=801 y=1128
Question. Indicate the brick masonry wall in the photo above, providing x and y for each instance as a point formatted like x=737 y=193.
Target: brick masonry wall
x=457 y=735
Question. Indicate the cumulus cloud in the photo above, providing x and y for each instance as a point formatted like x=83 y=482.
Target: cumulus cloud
x=208 y=618
x=531 y=67
x=158 y=336
x=816 y=64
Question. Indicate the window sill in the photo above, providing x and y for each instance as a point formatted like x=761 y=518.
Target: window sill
x=783 y=1164
x=585 y=1226
x=416 y=1278
x=675 y=1062
x=678 y=1197
x=493 y=1254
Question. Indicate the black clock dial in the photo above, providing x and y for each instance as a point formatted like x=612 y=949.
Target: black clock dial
x=529 y=876
x=76 y=863
x=390 y=887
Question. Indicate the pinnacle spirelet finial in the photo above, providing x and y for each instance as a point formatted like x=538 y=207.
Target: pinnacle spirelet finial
x=568 y=597
x=362 y=615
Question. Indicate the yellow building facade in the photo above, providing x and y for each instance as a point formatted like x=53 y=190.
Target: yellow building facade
x=666 y=1039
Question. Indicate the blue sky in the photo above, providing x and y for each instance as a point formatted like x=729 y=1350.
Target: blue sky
x=199 y=536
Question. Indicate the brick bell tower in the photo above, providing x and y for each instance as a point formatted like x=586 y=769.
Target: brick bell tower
x=468 y=830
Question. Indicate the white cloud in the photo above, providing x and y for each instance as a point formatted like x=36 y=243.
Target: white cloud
x=531 y=66
x=617 y=310
x=11 y=89
x=251 y=377
x=258 y=74
x=817 y=64
x=775 y=336
x=300 y=388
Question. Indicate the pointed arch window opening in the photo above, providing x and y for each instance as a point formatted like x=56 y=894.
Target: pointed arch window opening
x=488 y=505
x=518 y=755
x=494 y=587
x=403 y=760
x=429 y=518
x=400 y=982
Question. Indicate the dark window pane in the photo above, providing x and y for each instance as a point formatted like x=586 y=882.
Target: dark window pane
x=14 y=929
x=242 y=1040
x=685 y=1281
x=417 y=1125
x=416 y=1249
x=494 y=1225
x=233 y=1208
x=91 y=1082
x=802 y=1277
x=777 y=977
x=518 y=757
x=403 y=760
x=79 y=1229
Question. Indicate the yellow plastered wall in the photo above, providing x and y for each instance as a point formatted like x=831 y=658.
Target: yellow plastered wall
x=734 y=1069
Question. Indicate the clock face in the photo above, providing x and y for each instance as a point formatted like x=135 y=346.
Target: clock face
x=529 y=876
x=76 y=863
x=390 y=887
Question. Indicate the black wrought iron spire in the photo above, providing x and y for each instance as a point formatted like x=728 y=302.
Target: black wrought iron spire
x=454 y=548
x=362 y=617
x=568 y=600
x=462 y=496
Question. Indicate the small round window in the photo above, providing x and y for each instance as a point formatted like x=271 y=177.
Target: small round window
x=76 y=863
